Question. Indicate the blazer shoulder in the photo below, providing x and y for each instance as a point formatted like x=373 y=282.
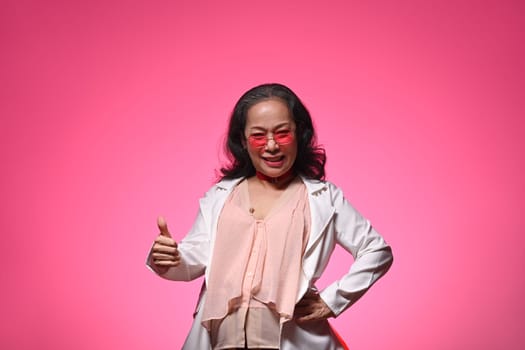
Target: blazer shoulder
x=323 y=190
x=221 y=187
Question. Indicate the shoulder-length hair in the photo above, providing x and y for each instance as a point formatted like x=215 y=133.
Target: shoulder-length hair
x=311 y=158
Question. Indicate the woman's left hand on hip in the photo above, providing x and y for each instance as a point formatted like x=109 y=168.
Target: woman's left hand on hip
x=311 y=308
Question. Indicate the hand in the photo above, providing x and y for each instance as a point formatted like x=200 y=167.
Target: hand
x=311 y=308
x=165 y=253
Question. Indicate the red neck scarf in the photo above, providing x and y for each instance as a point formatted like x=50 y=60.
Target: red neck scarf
x=274 y=180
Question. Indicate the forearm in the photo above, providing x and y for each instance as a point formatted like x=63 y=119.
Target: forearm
x=363 y=273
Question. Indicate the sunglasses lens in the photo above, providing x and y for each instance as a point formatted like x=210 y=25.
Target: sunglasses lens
x=281 y=138
x=257 y=141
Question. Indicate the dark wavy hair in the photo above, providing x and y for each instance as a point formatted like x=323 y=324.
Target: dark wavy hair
x=311 y=158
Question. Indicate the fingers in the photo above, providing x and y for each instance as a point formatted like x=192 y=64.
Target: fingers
x=306 y=318
x=166 y=263
x=308 y=314
x=161 y=248
x=165 y=256
x=164 y=252
x=305 y=314
x=163 y=226
x=162 y=256
x=310 y=308
x=309 y=298
x=302 y=309
x=163 y=240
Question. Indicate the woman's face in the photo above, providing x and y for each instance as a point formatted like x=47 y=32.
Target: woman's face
x=270 y=137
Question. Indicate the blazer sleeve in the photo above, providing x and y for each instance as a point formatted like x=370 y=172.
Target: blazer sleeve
x=194 y=252
x=372 y=255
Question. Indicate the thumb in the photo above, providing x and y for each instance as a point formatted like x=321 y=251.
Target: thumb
x=163 y=226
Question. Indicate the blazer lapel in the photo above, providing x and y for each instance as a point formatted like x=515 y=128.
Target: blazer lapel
x=211 y=205
x=321 y=209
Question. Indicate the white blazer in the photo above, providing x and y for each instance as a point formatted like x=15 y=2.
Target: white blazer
x=334 y=221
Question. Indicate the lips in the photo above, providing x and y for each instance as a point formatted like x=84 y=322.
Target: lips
x=274 y=162
x=273 y=159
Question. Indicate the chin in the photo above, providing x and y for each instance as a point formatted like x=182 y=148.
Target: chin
x=275 y=172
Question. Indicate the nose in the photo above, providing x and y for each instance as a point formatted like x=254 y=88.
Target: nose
x=271 y=145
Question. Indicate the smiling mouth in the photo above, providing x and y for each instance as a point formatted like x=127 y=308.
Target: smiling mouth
x=273 y=159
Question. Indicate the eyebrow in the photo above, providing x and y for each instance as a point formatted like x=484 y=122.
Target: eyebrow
x=276 y=127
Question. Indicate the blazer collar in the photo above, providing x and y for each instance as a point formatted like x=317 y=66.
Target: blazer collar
x=314 y=187
x=228 y=184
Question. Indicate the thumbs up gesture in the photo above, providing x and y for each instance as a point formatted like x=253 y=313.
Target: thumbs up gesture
x=165 y=253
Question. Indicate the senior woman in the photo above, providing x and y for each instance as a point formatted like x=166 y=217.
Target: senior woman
x=265 y=233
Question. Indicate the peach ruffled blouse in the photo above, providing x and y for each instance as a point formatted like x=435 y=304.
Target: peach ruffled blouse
x=255 y=269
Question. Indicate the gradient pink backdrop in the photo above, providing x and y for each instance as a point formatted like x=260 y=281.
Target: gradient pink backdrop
x=113 y=112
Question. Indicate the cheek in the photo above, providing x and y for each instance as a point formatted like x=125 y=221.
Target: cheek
x=253 y=153
x=290 y=151
x=289 y=148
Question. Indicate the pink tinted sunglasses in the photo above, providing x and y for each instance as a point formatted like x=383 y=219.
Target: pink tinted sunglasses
x=260 y=140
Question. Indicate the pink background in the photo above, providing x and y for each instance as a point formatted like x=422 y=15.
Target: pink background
x=113 y=112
